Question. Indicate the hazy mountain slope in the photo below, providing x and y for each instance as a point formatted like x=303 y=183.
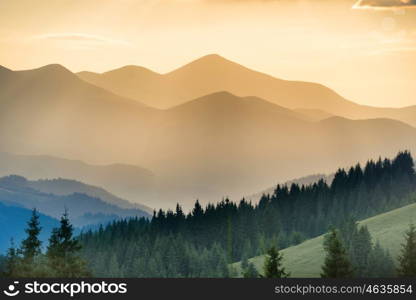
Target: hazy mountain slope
x=44 y=109
x=342 y=136
x=67 y=187
x=336 y=139
x=210 y=74
x=223 y=145
x=132 y=182
x=214 y=146
x=17 y=191
x=13 y=221
x=306 y=259
x=313 y=115
x=126 y=81
x=213 y=138
x=214 y=73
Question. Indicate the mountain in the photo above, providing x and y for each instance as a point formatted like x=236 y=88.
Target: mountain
x=306 y=259
x=13 y=221
x=45 y=108
x=132 y=182
x=67 y=187
x=213 y=73
x=313 y=115
x=226 y=145
x=130 y=81
x=211 y=147
x=18 y=191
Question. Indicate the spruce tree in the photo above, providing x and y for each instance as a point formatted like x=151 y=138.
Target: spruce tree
x=380 y=263
x=113 y=269
x=337 y=264
x=250 y=271
x=63 y=252
x=11 y=268
x=31 y=246
x=360 y=250
x=273 y=264
x=244 y=262
x=407 y=259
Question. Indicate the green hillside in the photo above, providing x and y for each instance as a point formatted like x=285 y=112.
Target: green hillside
x=306 y=259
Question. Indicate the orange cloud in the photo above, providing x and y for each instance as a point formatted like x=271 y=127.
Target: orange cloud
x=386 y=4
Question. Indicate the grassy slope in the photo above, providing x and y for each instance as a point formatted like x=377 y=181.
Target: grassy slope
x=306 y=259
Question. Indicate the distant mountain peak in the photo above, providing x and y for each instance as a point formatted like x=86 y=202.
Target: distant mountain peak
x=219 y=97
x=50 y=73
x=132 y=68
x=54 y=68
x=220 y=94
x=222 y=99
x=213 y=59
x=210 y=61
x=4 y=69
x=213 y=56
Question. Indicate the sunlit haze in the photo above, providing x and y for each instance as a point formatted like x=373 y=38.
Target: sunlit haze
x=367 y=55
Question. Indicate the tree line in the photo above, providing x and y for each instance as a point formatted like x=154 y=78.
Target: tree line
x=205 y=241
x=349 y=254
x=362 y=259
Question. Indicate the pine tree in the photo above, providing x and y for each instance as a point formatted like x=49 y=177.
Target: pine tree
x=380 y=263
x=244 y=262
x=31 y=246
x=360 y=250
x=296 y=238
x=250 y=271
x=273 y=264
x=229 y=239
x=407 y=259
x=246 y=253
x=113 y=269
x=62 y=252
x=337 y=264
x=11 y=269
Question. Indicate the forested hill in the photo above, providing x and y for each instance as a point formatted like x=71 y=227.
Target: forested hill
x=203 y=242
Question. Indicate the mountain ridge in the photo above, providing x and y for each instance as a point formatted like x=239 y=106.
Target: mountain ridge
x=218 y=145
x=214 y=73
x=125 y=180
x=18 y=191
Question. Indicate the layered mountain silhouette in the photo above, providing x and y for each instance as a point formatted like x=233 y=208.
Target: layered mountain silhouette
x=131 y=182
x=214 y=73
x=83 y=208
x=64 y=187
x=313 y=115
x=208 y=147
x=43 y=109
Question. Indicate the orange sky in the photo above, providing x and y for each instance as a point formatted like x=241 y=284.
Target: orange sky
x=367 y=55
